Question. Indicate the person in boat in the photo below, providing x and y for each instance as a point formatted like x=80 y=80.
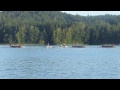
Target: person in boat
x=48 y=44
x=60 y=45
x=64 y=45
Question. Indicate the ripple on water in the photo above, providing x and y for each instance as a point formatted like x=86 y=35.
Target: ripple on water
x=62 y=63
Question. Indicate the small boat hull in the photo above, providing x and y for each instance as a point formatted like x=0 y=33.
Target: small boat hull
x=16 y=46
x=78 y=46
x=108 y=46
x=48 y=46
x=63 y=46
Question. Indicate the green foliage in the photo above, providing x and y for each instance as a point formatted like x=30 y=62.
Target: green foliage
x=56 y=27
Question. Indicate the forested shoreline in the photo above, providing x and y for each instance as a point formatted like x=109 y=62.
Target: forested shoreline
x=55 y=27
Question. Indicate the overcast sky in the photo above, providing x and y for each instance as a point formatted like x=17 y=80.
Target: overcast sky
x=93 y=13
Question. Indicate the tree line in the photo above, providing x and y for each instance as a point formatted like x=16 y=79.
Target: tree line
x=55 y=27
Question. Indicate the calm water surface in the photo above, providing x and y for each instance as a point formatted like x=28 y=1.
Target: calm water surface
x=39 y=62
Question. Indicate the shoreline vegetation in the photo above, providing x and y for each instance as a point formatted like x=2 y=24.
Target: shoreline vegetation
x=57 y=27
x=15 y=45
x=58 y=44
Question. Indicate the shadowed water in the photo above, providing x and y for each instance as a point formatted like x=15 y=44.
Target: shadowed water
x=39 y=62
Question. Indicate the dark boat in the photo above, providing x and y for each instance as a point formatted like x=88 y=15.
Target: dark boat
x=16 y=45
x=78 y=46
x=108 y=45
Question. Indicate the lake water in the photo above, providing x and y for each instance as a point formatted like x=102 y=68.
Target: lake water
x=39 y=62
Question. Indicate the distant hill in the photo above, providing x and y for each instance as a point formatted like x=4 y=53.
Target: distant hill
x=57 y=27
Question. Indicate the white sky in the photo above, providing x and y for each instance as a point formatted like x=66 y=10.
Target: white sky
x=93 y=13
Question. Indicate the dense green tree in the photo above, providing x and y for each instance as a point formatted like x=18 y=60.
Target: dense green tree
x=57 y=27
